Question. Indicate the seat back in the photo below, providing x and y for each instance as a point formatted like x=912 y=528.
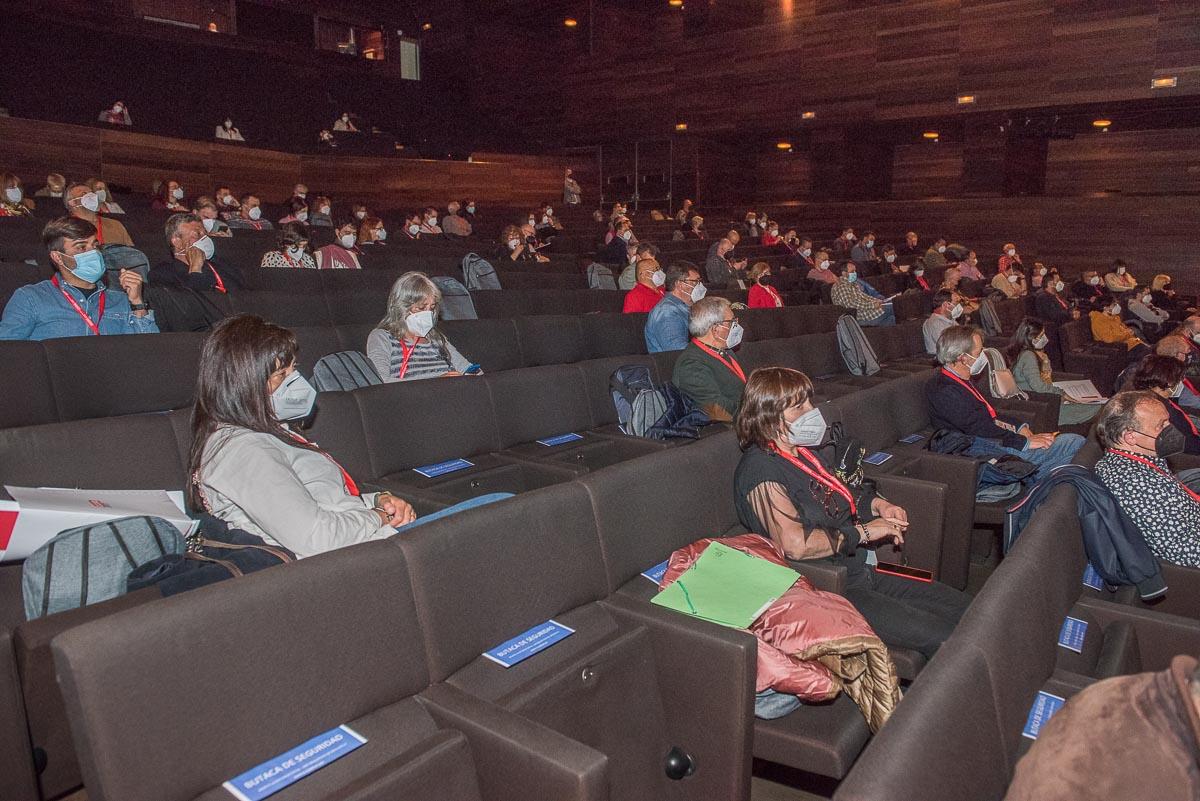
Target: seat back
x=538 y=402
x=23 y=364
x=244 y=651
x=551 y=339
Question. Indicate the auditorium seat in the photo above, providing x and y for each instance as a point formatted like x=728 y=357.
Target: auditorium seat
x=551 y=339
x=283 y=308
x=29 y=399
x=490 y=343
x=312 y=624
x=624 y=683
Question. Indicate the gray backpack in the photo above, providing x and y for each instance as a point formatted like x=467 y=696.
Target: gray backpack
x=856 y=349
x=123 y=257
x=89 y=564
x=628 y=278
x=478 y=273
x=456 y=300
x=344 y=371
x=600 y=277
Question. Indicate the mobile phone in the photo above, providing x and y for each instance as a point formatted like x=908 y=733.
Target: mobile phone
x=472 y=369
x=904 y=571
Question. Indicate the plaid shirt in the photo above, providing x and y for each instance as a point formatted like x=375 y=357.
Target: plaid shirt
x=866 y=308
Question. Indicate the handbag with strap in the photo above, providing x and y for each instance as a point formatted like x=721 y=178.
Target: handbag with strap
x=1001 y=382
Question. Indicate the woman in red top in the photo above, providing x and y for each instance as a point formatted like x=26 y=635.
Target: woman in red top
x=763 y=296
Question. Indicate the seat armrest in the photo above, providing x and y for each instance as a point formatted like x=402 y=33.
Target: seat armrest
x=715 y=726
x=823 y=575
x=1184 y=461
x=16 y=757
x=925 y=503
x=514 y=754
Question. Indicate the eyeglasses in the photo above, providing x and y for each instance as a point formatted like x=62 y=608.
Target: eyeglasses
x=727 y=322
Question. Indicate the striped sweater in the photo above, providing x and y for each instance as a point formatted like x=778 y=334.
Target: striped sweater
x=427 y=360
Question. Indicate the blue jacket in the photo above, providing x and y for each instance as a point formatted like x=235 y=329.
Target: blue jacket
x=1113 y=544
x=39 y=311
x=667 y=325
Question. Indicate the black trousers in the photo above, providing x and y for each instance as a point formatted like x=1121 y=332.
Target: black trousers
x=903 y=612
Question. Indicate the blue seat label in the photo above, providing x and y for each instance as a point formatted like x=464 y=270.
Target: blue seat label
x=1092 y=579
x=656 y=573
x=1071 y=635
x=878 y=458
x=561 y=439
x=1044 y=707
x=528 y=643
x=912 y=439
x=442 y=468
x=290 y=767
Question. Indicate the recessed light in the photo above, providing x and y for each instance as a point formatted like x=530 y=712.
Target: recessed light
x=1165 y=82
x=808 y=115
x=681 y=126
x=966 y=100
x=931 y=135
x=428 y=26
x=570 y=22
x=784 y=145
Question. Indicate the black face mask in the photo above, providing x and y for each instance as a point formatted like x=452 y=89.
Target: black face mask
x=1169 y=441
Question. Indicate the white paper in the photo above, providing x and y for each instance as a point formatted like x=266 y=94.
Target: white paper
x=1084 y=391
x=45 y=511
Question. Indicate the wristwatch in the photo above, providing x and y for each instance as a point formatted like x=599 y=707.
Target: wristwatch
x=136 y=307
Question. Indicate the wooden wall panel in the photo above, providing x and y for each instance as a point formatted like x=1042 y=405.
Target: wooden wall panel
x=927 y=169
x=32 y=149
x=782 y=177
x=1150 y=162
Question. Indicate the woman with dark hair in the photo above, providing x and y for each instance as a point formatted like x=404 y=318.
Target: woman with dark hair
x=406 y=345
x=787 y=490
x=297 y=211
x=1163 y=375
x=291 y=249
x=250 y=470
x=168 y=196
x=1033 y=373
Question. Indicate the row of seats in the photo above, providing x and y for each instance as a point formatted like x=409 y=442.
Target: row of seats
x=957 y=736
x=68 y=379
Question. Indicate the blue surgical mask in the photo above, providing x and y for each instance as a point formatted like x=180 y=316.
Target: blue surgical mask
x=89 y=266
x=852 y=277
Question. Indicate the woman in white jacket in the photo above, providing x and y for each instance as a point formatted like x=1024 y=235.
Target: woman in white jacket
x=249 y=469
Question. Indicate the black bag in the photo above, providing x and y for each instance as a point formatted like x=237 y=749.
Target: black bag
x=1003 y=468
x=215 y=553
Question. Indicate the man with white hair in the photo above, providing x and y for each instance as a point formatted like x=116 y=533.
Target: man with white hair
x=707 y=371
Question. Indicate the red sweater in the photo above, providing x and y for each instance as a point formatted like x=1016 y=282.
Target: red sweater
x=642 y=299
x=764 y=297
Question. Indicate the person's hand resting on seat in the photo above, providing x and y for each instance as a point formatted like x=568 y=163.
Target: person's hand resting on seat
x=393 y=511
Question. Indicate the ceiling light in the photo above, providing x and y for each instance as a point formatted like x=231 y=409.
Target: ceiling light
x=931 y=135
x=675 y=3
x=808 y=115
x=428 y=26
x=966 y=100
x=1101 y=124
x=570 y=22
x=681 y=126
x=1165 y=82
x=784 y=145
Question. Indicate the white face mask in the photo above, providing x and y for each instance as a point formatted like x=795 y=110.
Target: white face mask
x=774 y=233
x=294 y=398
x=381 y=234
x=808 y=430
x=735 y=335
x=419 y=323
x=549 y=212
x=699 y=291
x=513 y=243
x=918 y=272
x=1120 y=271
x=1196 y=338
x=301 y=195
x=956 y=311
x=1011 y=252
x=414 y=229
x=658 y=278
x=1041 y=342
x=806 y=252
x=941 y=248
x=1147 y=299
x=1059 y=286
x=852 y=277
x=1114 y=310
x=891 y=257
x=347 y=240
x=325 y=210
x=824 y=265
x=470 y=209
x=978 y=365
x=1013 y=278
x=850 y=237
x=208 y=223
x=752 y=221
x=177 y=193
x=206 y=246
x=13 y=194
x=302 y=215
x=254 y=213
x=90 y=201
x=532 y=221
x=1042 y=272
x=360 y=214
x=1177 y=390
x=295 y=253
x=627 y=235
x=1094 y=280
x=870 y=243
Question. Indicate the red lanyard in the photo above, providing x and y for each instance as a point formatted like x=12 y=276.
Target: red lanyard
x=347 y=481
x=924 y=284
x=819 y=474
x=408 y=352
x=729 y=363
x=1191 y=425
x=94 y=326
x=1061 y=302
x=99 y=229
x=774 y=295
x=1157 y=469
x=967 y=386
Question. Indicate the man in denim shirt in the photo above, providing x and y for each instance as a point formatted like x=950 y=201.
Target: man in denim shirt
x=76 y=302
x=667 y=325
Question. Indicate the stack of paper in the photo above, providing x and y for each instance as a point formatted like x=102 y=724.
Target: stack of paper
x=35 y=515
x=727 y=586
x=1084 y=391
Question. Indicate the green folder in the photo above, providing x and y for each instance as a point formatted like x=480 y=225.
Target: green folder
x=727 y=586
